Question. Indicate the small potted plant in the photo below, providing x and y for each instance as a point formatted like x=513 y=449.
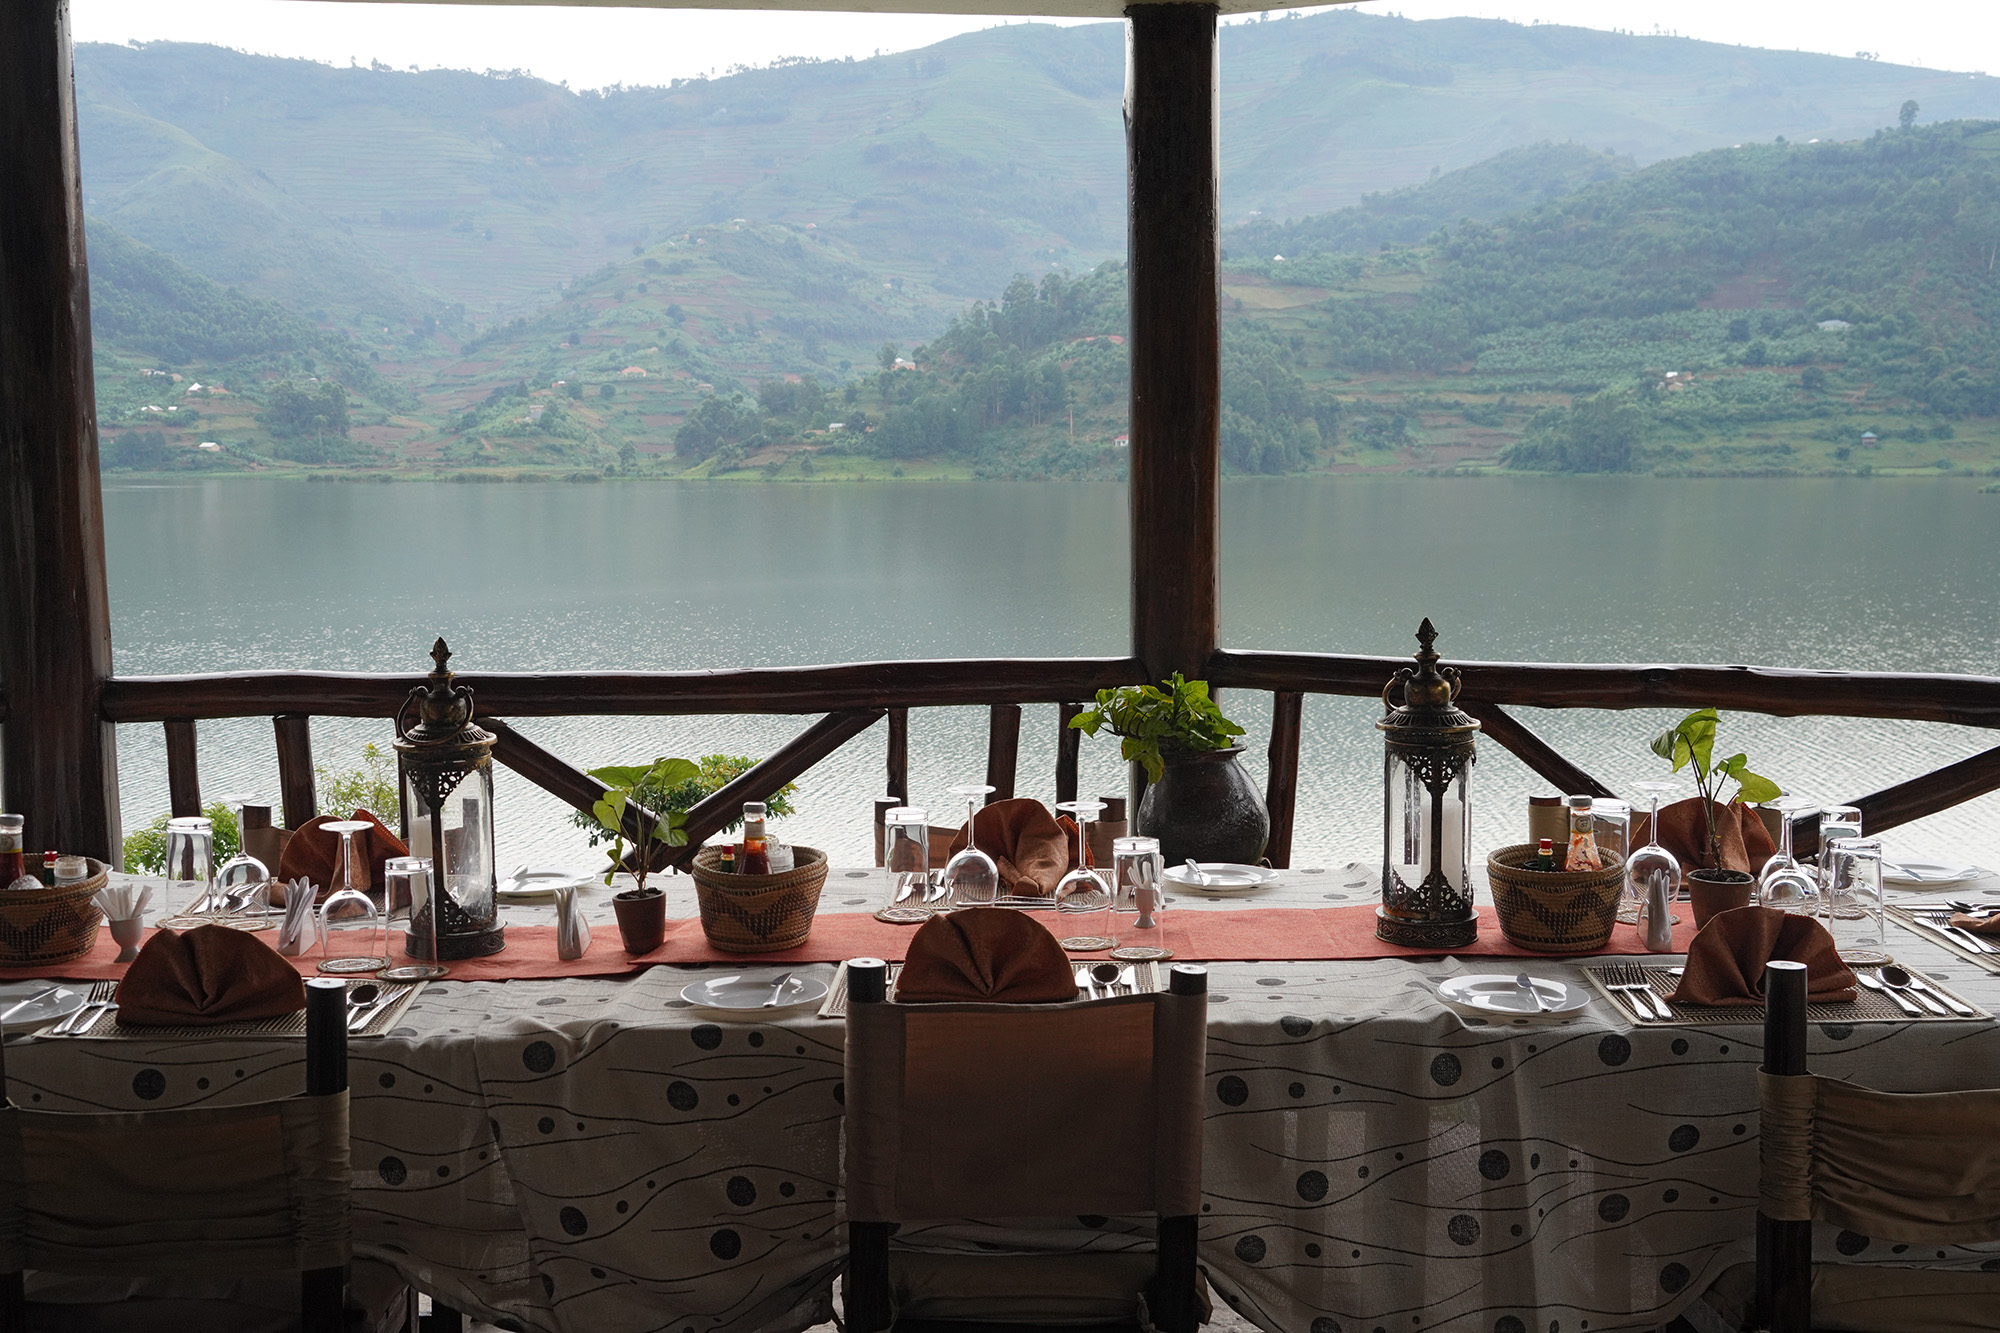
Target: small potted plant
x=1713 y=886
x=642 y=911
x=1199 y=802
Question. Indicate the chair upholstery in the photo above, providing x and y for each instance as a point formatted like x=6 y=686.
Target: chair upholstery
x=1024 y=1110
x=1909 y=1168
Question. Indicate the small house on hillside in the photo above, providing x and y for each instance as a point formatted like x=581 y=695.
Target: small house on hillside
x=1869 y=440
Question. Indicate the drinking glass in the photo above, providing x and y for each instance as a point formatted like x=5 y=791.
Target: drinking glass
x=970 y=878
x=1651 y=863
x=1612 y=824
x=350 y=925
x=1784 y=883
x=1137 y=900
x=1083 y=899
x=191 y=865
x=1836 y=821
x=1852 y=895
x=244 y=882
x=409 y=898
x=906 y=854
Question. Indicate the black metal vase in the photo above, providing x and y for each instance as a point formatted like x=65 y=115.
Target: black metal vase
x=1205 y=808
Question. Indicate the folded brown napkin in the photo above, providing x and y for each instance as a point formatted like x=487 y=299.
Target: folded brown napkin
x=1978 y=925
x=1032 y=848
x=990 y=954
x=315 y=854
x=210 y=974
x=1746 y=843
x=1725 y=964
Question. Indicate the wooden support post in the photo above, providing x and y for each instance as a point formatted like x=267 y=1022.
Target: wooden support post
x=899 y=754
x=558 y=778
x=1535 y=752
x=59 y=766
x=183 y=777
x=1281 y=785
x=295 y=769
x=1171 y=126
x=1003 y=750
x=724 y=806
x=1069 y=747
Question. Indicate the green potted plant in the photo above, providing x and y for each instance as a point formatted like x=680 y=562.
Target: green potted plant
x=1712 y=886
x=1199 y=802
x=642 y=911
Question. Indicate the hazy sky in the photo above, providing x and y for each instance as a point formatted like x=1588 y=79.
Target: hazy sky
x=590 y=48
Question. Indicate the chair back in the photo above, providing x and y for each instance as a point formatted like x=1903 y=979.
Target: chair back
x=1014 y=1110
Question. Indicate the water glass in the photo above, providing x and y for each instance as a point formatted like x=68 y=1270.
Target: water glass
x=1083 y=897
x=906 y=854
x=1835 y=821
x=410 y=898
x=1852 y=894
x=350 y=925
x=190 y=886
x=1136 y=897
x=971 y=879
x=1612 y=823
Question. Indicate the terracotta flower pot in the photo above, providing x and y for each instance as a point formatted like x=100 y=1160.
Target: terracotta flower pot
x=1712 y=891
x=1205 y=808
x=642 y=919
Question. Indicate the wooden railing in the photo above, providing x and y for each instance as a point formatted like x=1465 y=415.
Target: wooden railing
x=852 y=698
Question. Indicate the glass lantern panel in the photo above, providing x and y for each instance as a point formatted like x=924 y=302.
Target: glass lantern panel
x=459 y=837
x=1415 y=820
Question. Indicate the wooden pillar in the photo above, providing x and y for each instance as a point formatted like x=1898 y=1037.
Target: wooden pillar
x=1171 y=123
x=59 y=767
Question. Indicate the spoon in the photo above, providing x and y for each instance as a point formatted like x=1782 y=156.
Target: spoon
x=777 y=989
x=1105 y=975
x=359 y=1000
x=1196 y=873
x=1902 y=979
x=1524 y=982
x=1875 y=983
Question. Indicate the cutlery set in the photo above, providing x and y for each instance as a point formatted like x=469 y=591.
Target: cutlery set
x=1629 y=981
x=100 y=1002
x=1937 y=917
x=1102 y=981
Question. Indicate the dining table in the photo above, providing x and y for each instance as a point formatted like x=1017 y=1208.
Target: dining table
x=597 y=1153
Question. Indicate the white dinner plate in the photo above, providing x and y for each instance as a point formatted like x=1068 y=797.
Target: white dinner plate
x=1930 y=872
x=537 y=886
x=741 y=992
x=1494 y=994
x=67 y=1000
x=1225 y=880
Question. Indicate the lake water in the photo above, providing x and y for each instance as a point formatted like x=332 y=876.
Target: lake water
x=224 y=575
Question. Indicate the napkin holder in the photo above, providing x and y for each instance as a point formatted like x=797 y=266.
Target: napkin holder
x=572 y=931
x=124 y=908
x=299 y=931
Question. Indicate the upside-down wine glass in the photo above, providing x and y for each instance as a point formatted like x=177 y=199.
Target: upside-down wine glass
x=1784 y=883
x=971 y=879
x=1652 y=862
x=350 y=925
x=1083 y=898
x=243 y=879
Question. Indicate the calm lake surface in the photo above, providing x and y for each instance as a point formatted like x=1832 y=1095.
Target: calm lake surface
x=221 y=575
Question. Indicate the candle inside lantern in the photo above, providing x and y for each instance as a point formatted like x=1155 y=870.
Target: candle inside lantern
x=1453 y=861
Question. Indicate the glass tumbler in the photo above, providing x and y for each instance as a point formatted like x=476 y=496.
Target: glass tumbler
x=190 y=887
x=1612 y=822
x=1851 y=895
x=1137 y=899
x=410 y=899
x=906 y=854
x=1835 y=821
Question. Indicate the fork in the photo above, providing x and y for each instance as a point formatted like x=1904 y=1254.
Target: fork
x=98 y=1001
x=1631 y=979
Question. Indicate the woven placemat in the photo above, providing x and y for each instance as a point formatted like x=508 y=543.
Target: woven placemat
x=286 y=1025
x=1869 y=1007
x=1924 y=920
x=1146 y=976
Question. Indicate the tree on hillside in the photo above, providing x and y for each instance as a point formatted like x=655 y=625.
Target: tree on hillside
x=1907 y=116
x=715 y=423
x=305 y=411
x=1597 y=433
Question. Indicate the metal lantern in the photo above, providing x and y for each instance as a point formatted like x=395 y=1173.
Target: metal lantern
x=1426 y=808
x=447 y=773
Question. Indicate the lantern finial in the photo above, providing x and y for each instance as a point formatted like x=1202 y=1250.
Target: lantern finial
x=441 y=653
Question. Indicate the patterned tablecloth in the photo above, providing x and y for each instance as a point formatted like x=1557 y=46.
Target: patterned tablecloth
x=591 y=1155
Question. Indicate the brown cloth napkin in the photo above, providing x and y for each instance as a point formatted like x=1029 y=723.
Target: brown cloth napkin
x=210 y=974
x=1978 y=925
x=316 y=855
x=1725 y=964
x=1746 y=843
x=985 y=954
x=1032 y=848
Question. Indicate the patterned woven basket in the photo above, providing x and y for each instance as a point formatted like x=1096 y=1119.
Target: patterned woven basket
x=1554 y=912
x=758 y=913
x=48 y=925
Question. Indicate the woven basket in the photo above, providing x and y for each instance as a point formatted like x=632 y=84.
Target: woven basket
x=758 y=913
x=51 y=925
x=1554 y=911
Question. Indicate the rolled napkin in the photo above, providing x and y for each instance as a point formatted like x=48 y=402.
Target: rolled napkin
x=1725 y=964
x=207 y=975
x=572 y=931
x=988 y=954
x=1032 y=848
x=1746 y=845
x=298 y=932
x=1977 y=924
x=315 y=855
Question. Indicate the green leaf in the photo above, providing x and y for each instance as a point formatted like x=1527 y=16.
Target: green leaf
x=670 y=773
x=1753 y=788
x=610 y=810
x=1666 y=743
x=624 y=776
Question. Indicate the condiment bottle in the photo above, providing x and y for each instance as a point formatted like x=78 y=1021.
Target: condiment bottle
x=1545 y=856
x=13 y=864
x=1547 y=819
x=49 y=860
x=1582 y=837
x=756 y=859
x=70 y=869
x=727 y=865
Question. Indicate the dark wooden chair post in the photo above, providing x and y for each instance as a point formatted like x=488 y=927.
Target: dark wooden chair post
x=323 y=1291
x=1175 y=1299
x=866 y=1291
x=1784 y=1249
x=13 y=1288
